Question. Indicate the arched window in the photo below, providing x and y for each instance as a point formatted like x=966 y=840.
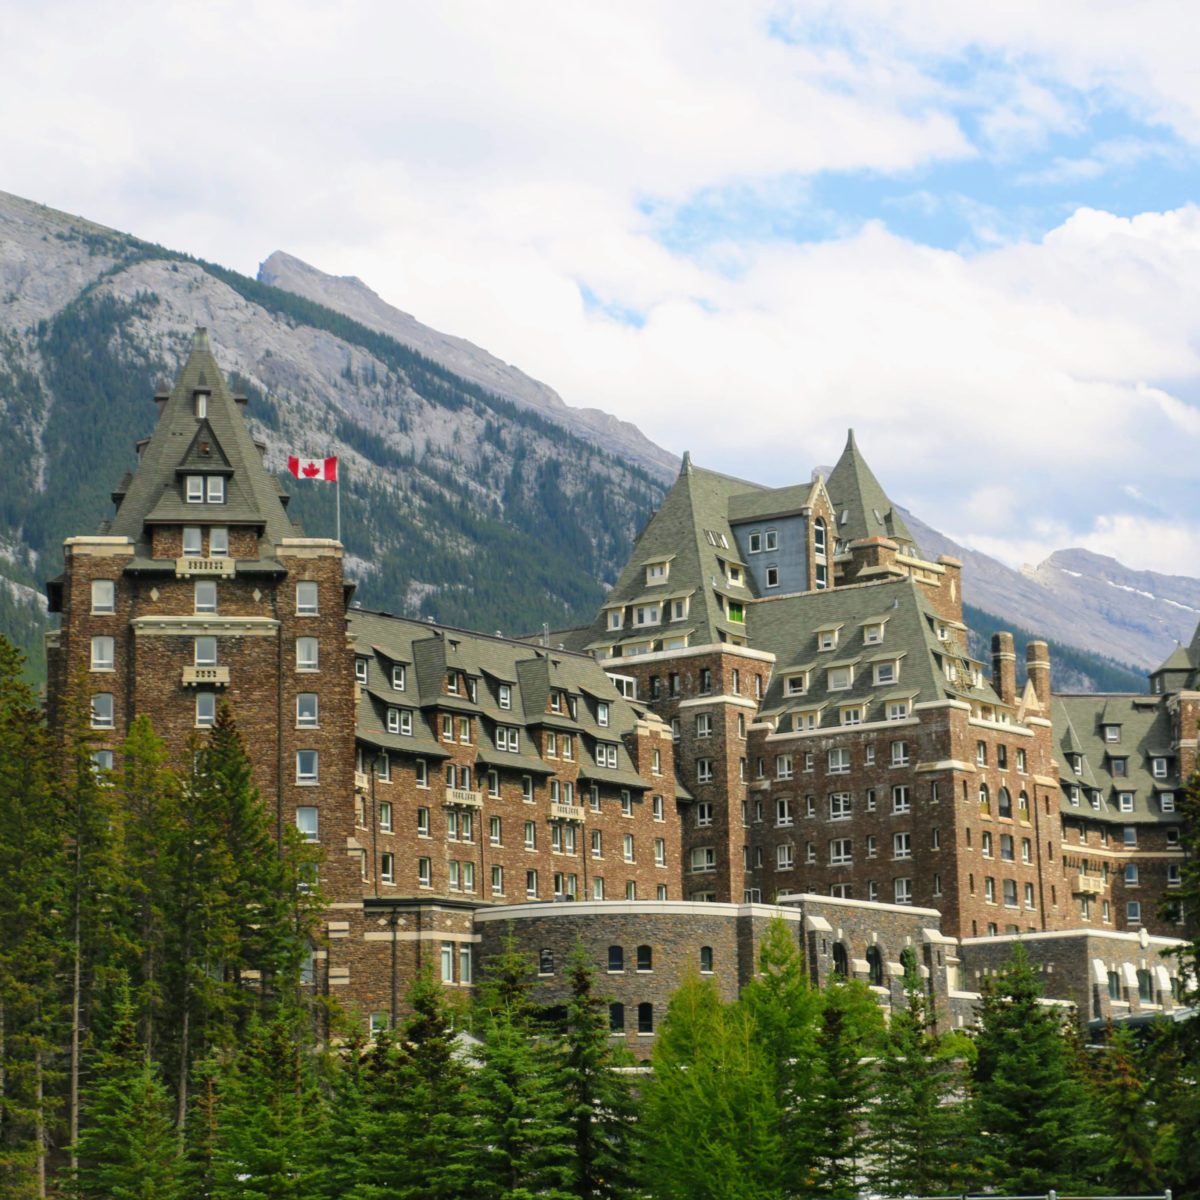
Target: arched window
x=645 y=1017
x=1023 y=805
x=1004 y=803
x=1145 y=986
x=616 y=958
x=616 y=1017
x=985 y=798
x=841 y=963
x=875 y=966
x=819 y=536
x=706 y=959
x=645 y=958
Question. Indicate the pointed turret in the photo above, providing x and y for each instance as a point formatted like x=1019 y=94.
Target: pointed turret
x=862 y=508
x=200 y=465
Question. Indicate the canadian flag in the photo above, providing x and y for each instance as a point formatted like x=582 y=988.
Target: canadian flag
x=314 y=468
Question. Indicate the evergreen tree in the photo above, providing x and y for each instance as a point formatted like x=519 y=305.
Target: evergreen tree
x=416 y=1086
x=599 y=1100
x=269 y=1117
x=129 y=1148
x=94 y=886
x=521 y=1138
x=918 y=1127
x=32 y=933
x=709 y=1121
x=200 y=1134
x=150 y=801
x=1032 y=1118
x=784 y=1009
x=1127 y=1116
x=346 y=1139
x=851 y=1033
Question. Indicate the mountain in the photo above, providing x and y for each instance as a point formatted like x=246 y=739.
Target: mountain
x=349 y=295
x=1079 y=599
x=472 y=492
x=483 y=509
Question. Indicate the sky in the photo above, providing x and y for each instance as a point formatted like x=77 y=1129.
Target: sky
x=968 y=230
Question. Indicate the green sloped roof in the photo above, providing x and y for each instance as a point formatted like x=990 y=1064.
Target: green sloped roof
x=764 y=503
x=861 y=507
x=787 y=627
x=155 y=493
x=697 y=505
x=1079 y=722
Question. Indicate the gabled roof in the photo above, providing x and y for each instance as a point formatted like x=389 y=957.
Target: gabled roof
x=155 y=493
x=861 y=508
x=696 y=507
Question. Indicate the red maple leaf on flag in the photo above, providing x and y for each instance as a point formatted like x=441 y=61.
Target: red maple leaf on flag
x=311 y=469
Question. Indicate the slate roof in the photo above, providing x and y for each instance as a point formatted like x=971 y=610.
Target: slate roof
x=1145 y=725
x=697 y=505
x=788 y=626
x=429 y=651
x=155 y=493
x=861 y=507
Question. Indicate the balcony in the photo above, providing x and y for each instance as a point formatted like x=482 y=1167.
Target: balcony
x=192 y=566
x=566 y=812
x=205 y=676
x=1088 y=885
x=464 y=799
x=360 y=781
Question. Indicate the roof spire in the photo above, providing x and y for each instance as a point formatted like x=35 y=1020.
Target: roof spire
x=200 y=338
x=851 y=444
x=685 y=467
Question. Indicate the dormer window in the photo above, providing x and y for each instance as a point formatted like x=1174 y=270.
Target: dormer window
x=555 y=700
x=1077 y=763
x=656 y=572
x=452 y=682
x=646 y=614
x=737 y=611
x=360 y=669
x=602 y=714
x=873 y=634
x=195 y=489
x=827 y=637
x=398 y=677
x=201 y=399
x=734 y=574
x=1158 y=767
x=216 y=489
x=616 y=618
x=679 y=609
x=796 y=685
x=504 y=696
x=887 y=672
x=1112 y=733
x=840 y=678
x=850 y=714
x=1120 y=767
x=943 y=632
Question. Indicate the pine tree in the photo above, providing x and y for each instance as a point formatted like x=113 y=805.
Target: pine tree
x=346 y=1138
x=1032 y=1118
x=269 y=1117
x=149 y=798
x=599 y=1100
x=709 y=1119
x=784 y=1009
x=1126 y=1116
x=129 y=1148
x=416 y=1086
x=32 y=932
x=918 y=1127
x=521 y=1139
x=851 y=1033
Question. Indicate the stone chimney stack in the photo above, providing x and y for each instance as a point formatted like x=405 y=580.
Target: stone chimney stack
x=1004 y=667
x=1037 y=664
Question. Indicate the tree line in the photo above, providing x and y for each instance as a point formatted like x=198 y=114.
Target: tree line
x=158 y=1042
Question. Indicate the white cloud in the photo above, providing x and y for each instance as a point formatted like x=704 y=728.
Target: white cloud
x=479 y=163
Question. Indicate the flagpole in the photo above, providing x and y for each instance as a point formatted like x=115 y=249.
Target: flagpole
x=337 y=483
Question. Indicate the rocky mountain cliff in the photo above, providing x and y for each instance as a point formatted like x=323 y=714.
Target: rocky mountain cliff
x=457 y=501
x=472 y=492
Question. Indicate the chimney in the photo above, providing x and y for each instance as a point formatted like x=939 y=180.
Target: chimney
x=1037 y=664
x=1004 y=667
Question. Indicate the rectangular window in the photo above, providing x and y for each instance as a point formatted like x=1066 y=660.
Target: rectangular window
x=531 y=884
x=530 y=835
x=195 y=489
x=783 y=766
x=784 y=858
x=218 y=541
x=839 y=761
x=900 y=801
x=899 y=754
x=425 y=872
x=494 y=831
x=626 y=803
x=841 y=806
x=307 y=653
x=216 y=489
x=306 y=766
x=306 y=598
x=902 y=845
x=206 y=709
x=103 y=595
x=102 y=653
x=704 y=770
x=193 y=540
x=306 y=822
x=902 y=891
x=387 y=867
x=840 y=852
x=204 y=650
x=493 y=782
x=660 y=852
x=627 y=847
x=783 y=812
x=703 y=725
x=205 y=595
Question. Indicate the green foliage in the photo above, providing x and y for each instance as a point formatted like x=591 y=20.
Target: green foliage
x=129 y=1147
x=1126 y=1116
x=1033 y=1122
